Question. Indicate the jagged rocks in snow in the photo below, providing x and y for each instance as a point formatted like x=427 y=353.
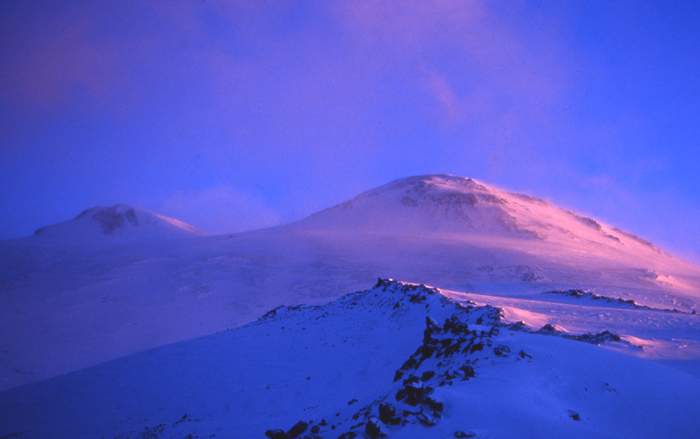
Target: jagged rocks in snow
x=373 y=428
x=575 y=416
x=427 y=375
x=387 y=414
x=501 y=351
x=431 y=324
x=277 y=434
x=433 y=404
x=426 y=420
x=550 y=329
x=297 y=429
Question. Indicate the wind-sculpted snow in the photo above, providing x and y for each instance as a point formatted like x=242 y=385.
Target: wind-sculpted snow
x=609 y=301
x=401 y=360
x=433 y=203
x=109 y=283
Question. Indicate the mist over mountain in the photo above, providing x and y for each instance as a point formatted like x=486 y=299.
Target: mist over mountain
x=464 y=209
x=116 y=281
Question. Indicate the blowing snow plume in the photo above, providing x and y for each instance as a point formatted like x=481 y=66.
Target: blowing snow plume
x=82 y=305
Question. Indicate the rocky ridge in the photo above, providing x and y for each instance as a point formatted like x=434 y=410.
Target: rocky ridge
x=452 y=351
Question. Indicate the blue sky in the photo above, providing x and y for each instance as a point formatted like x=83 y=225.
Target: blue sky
x=236 y=115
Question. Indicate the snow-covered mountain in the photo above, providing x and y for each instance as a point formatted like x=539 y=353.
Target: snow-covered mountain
x=398 y=359
x=118 y=224
x=464 y=210
x=69 y=307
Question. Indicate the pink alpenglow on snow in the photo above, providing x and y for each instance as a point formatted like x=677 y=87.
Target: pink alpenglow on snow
x=106 y=287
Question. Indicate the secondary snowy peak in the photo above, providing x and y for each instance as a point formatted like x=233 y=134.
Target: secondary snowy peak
x=114 y=224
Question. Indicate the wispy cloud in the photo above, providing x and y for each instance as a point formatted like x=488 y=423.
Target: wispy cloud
x=220 y=209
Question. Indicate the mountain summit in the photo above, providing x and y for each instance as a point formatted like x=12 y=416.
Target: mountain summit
x=464 y=210
x=451 y=232
x=115 y=224
x=425 y=204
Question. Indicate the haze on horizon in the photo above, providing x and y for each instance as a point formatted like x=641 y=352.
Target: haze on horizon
x=237 y=115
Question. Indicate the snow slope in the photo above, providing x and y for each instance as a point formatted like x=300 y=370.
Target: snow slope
x=444 y=366
x=67 y=307
x=462 y=209
x=118 y=224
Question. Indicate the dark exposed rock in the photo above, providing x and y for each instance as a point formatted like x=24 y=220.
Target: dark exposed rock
x=373 y=428
x=445 y=342
x=315 y=429
x=431 y=324
x=427 y=375
x=518 y=326
x=549 y=329
x=468 y=371
x=401 y=394
x=461 y=434
x=454 y=347
x=413 y=391
x=476 y=347
x=433 y=404
x=276 y=434
x=409 y=364
x=112 y=218
x=455 y=326
x=409 y=412
x=522 y=354
x=427 y=351
x=413 y=395
x=387 y=414
x=398 y=375
x=298 y=429
x=426 y=420
x=501 y=350
x=411 y=379
x=595 y=339
x=417 y=298
x=348 y=435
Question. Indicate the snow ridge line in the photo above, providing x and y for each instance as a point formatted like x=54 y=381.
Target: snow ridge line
x=580 y=294
x=451 y=352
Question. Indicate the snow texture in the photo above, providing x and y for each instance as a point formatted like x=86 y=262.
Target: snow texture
x=401 y=358
x=545 y=324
